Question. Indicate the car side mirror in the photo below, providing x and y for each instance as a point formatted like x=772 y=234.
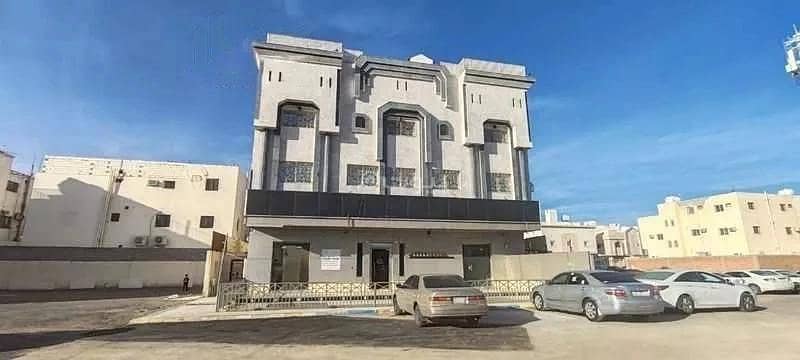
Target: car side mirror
x=401 y=286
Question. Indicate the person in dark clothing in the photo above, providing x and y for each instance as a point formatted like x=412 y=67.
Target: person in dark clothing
x=186 y=283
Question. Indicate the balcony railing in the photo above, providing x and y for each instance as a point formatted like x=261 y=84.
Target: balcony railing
x=350 y=205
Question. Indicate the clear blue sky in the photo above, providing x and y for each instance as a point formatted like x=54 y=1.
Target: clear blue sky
x=635 y=100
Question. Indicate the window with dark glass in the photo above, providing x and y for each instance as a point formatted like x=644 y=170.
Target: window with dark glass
x=12 y=186
x=212 y=184
x=114 y=217
x=162 y=220
x=206 y=222
x=168 y=184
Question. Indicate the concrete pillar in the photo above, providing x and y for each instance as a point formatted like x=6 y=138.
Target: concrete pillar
x=325 y=167
x=259 y=143
x=258 y=265
x=476 y=173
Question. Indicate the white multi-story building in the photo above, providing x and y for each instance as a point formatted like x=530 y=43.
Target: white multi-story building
x=367 y=168
x=735 y=223
x=12 y=200
x=93 y=202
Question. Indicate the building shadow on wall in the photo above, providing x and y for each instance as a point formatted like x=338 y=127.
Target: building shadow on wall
x=76 y=215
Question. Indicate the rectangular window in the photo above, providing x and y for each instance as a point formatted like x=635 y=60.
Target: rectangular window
x=788 y=230
x=114 y=217
x=671 y=222
x=751 y=205
x=169 y=184
x=362 y=175
x=689 y=210
x=359 y=259
x=666 y=223
x=719 y=208
x=494 y=136
x=724 y=231
x=695 y=232
x=396 y=125
x=756 y=229
x=212 y=184
x=206 y=222
x=783 y=207
x=499 y=182
x=400 y=177
x=360 y=123
x=297 y=116
x=12 y=186
x=445 y=179
x=294 y=172
x=402 y=266
x=162 y=220
x=5 y=222
x=660 y=236
x=669 y=243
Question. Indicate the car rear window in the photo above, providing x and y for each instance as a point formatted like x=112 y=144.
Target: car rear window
x=613 y=277
x=444 y=281
x=763 y=273
x=655 y=275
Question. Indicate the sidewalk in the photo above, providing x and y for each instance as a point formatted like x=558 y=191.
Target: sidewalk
x=203 y=309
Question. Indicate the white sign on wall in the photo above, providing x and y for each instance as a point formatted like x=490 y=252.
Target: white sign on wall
x=330 y=259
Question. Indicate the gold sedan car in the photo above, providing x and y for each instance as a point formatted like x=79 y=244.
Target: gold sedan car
x=437 y=297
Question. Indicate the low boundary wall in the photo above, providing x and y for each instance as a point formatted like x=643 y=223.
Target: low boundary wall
x=719 y=263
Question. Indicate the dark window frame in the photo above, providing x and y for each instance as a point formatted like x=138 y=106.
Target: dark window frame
x=159 y=221
x=168 y=184
x=212 y=184
x=359 y=260
x=12 y=186
x=114 y=217
x=204 y=224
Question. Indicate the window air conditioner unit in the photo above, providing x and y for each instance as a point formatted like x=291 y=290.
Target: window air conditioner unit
x=159 y=241
x=153 y=183
x=140 y=241
x=703 y=230
x=733 y=229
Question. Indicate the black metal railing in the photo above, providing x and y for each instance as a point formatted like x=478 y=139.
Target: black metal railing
x=298 y=203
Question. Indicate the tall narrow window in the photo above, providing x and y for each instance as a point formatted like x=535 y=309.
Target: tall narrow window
x=320 y=81
x=359 y=259
x=269 y=75
x=280 y=76
x=402 y=256
x=445 y=131
x=330 y=83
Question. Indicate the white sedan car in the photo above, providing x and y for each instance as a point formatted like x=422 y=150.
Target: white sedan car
x=762 y=281
x=687 y=290
x=793 y=277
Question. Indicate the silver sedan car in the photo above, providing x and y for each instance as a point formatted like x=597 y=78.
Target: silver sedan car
x=597 y=294
x=437 y=297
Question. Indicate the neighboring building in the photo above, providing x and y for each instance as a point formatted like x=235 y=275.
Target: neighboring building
x=612 y=243
x=368 y=169
x=92 y=202
x=735 y=223
x=13 y=198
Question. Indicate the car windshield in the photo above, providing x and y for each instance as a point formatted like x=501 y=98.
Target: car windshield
x=655 y=275
x=613 y=277
x=763 y=273
x=784 y=272
x=444 y=281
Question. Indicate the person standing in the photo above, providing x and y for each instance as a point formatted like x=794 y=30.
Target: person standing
x=186 y=283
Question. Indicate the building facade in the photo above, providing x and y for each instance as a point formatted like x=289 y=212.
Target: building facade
x=611 y=244
x=367 y=169
x=94 y=202
x=735 y=223
x=13 y=199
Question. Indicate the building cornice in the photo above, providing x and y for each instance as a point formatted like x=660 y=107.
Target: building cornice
x=299 y=54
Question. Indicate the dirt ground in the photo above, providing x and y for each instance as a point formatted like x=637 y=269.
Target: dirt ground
x=770 y=333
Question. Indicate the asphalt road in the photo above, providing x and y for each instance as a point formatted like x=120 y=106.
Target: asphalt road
x=505 y=334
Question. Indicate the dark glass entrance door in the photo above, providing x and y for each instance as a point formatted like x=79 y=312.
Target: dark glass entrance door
x=380 y=266
x=477 y=262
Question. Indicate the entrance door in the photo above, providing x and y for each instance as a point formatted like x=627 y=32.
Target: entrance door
x=380 y=266
x=289 y=263
x=477 y=262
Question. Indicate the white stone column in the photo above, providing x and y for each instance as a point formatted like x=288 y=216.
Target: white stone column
x=259 y=143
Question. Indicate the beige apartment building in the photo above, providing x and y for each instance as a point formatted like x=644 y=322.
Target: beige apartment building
x=94 y=202
x=13 y=196
x=735 y=223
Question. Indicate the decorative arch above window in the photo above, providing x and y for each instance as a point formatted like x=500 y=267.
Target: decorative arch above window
x=295 y=114
x=445 y=130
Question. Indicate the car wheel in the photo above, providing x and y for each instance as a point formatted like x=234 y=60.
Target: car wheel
x=591 y=311
x=747 y=303
x=397 y=310
x=538 y=302
x=473 y=321
x=685 y=304
x=756 y=289
x=420 y=320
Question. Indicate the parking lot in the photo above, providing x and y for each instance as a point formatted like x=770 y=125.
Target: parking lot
x=507 y=333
